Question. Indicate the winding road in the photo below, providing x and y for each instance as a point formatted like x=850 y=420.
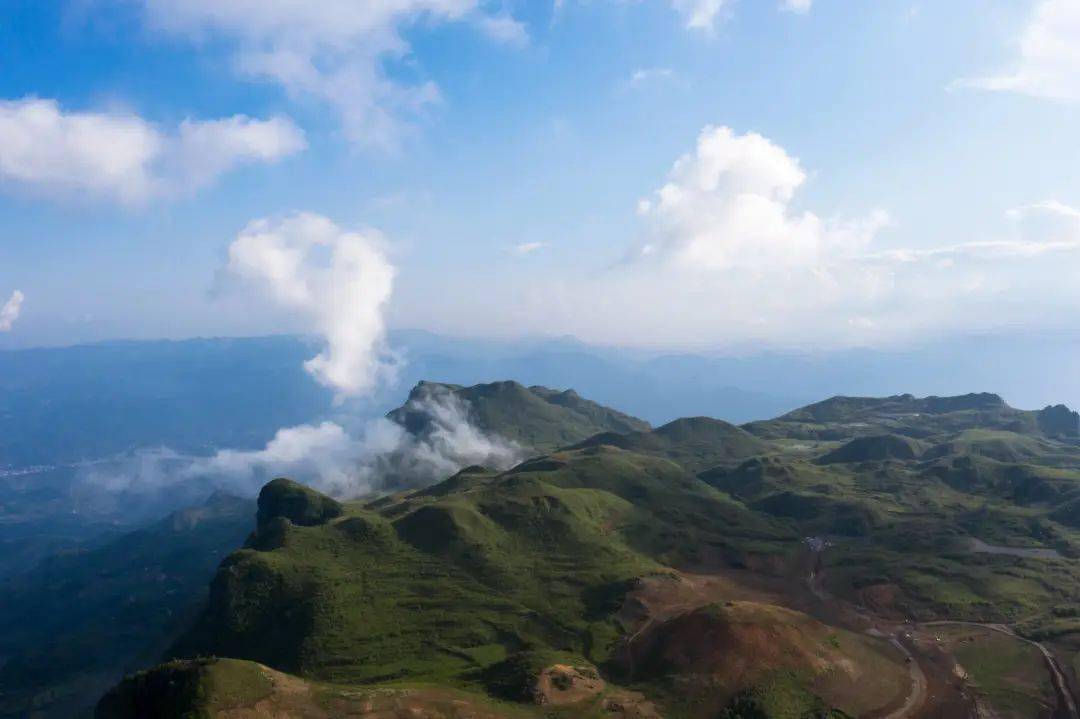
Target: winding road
x=1061 y=685
x=917 y=695
x=1066 y=701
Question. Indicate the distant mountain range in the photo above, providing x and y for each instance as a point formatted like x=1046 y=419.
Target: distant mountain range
x=65 y=405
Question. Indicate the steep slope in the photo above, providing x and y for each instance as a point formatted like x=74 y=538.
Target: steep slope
x=70 y=627
x=537 y=418
x=448 y=579
x=471 y=582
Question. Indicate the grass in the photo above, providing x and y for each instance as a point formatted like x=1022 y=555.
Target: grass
x=1009 y=673
x=491 y=572
x=440 y=586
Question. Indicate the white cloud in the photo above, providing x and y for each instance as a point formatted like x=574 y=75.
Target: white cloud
x=800 y=7
x=727 y=206
x=341 y=281
x=334 y=51
x=123 y=157
x=723 y=233
x=1048 y=62
x=699 y=14
x=210 y=148
x=9 y=312
x=381 y=457
x=504 y=29
x=324 y=452
x=527 y=248
x=728 y=259
x=646 y=75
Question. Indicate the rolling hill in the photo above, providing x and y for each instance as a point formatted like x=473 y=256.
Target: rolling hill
x=794 y=568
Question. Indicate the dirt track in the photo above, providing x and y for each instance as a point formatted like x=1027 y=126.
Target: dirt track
x=917 y=696
x=1067 y=702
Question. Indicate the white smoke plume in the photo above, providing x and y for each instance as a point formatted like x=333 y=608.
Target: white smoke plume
x=383 y=457
x=340 y=280
x=447 y=442
x=9 y=313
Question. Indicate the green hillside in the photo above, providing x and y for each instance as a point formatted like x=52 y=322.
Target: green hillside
x=695 y=443
x=696 y=570
x=847 y=417
x=537 y=418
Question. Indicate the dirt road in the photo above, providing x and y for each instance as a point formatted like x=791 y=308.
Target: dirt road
x=917 y=695
x=1067 y=702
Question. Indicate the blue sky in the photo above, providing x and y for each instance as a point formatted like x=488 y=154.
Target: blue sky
x=858 y=173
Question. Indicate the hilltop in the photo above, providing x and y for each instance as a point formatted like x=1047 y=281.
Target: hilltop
x=918 y=417
x=536 y=418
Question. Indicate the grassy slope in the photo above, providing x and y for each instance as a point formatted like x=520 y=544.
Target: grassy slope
x=1009 y=674
x=444 y=584
x=695 y=443
x=538 y=418
x=236 y=688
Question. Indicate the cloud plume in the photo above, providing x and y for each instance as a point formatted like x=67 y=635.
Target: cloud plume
x=10 y=310
x=339 y=280
x=120 y=156
x=382 y=456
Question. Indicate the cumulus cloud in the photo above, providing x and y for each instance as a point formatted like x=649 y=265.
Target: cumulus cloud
x=1048 y=62
x=728 y=257
x=340 y=280
x=382 y=457
x=10 y=310
x=334 y=51
x=121 y=156
x=727 y=206
x=722 y=233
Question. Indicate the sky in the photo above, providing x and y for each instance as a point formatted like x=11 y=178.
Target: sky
x=703 y=174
